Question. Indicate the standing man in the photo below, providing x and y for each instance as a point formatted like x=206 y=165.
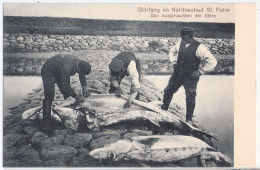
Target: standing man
x=125 y=64
x=187 y=54
x=58 y=69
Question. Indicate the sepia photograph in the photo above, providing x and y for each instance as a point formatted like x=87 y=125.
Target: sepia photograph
x=118 y=85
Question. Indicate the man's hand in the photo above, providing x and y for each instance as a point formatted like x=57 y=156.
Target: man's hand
x=195 y=74
x=79 y=99
x=118 y=91
x=127 y=104
x=85 y=92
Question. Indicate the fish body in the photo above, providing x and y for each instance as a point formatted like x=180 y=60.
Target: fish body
x=109 y=111
x=159 y=148
x=36 y=113
x=67 y=116
x=154 y=117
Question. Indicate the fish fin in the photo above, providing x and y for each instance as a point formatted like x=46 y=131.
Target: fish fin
x=203 y=162
x=154 y=122
x=211 y=149
x=149 y=142
x=192 y=128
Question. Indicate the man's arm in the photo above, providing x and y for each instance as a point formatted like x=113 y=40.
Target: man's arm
x=135 y=83
x=65 y=81
x=173 y=53
x=82 y=79
x=133 y=94
x=112 y=79
x=208 y=59
x=114 y=82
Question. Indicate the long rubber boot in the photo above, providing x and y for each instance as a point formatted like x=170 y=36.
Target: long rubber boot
x=165 y=107
x=189 y=111
x=46 y=106
x=167 y=98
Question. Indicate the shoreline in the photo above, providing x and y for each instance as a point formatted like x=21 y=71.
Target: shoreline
x=31 y=63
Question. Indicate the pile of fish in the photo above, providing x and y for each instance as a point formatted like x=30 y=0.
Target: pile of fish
x=105 y=109
x=101 y=111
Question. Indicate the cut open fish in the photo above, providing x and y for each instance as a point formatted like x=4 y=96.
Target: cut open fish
x=160 y=148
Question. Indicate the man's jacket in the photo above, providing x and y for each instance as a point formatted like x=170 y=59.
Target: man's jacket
x=62 y=66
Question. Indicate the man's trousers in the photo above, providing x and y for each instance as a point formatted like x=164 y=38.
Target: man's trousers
x=190 y=85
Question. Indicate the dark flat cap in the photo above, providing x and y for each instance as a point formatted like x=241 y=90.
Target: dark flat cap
x=186 y=31
x=84 y=67
x=116 y=65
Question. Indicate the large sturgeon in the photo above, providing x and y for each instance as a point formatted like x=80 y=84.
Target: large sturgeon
x=159 y=148
x=104 y=110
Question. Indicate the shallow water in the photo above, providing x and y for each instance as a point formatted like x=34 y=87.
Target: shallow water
x=214 y=107
x=16 y=88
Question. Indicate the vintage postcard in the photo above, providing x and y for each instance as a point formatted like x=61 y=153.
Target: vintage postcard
x=168 y=85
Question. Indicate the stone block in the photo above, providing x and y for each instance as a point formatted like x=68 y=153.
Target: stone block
x=58 y=152
x=78 y=140
x=20 y=39
x=12 y=140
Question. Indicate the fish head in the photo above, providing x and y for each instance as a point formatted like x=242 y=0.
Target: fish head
x=113 y=152
x=33 y=113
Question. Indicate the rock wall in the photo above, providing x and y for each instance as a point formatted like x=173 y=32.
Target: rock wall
x=27 y=43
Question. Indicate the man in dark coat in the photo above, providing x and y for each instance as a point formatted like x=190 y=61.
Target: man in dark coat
x=125 y=64
x=187 y=55
x=58 y=69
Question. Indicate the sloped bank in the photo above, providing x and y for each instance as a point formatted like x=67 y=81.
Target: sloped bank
x=31 y=63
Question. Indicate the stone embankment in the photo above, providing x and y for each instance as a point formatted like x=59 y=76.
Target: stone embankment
x=27 y=43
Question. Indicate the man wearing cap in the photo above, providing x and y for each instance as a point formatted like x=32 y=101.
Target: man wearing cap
x=187 y=55
x=58 y=69
x=125 y=64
